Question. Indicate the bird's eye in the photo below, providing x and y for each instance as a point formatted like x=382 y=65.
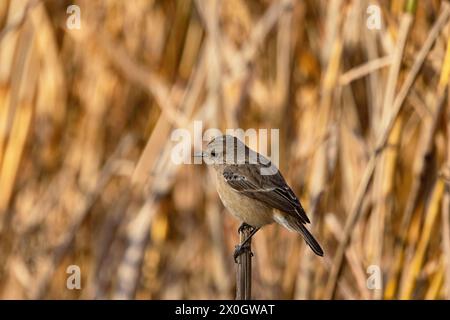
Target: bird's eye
x=213 y=153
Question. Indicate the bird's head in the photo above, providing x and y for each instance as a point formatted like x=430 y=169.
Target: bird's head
x=225 y=149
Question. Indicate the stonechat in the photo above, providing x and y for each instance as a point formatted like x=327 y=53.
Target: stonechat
x=254 y=191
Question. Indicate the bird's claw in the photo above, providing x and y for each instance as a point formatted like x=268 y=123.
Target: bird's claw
x=240 y=249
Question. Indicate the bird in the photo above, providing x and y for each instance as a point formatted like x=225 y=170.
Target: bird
x=254 y=191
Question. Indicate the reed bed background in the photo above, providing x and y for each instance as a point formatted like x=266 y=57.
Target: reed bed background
x=86 y=118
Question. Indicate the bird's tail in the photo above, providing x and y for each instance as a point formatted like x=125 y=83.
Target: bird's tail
x=295 y=225
x=310 y=240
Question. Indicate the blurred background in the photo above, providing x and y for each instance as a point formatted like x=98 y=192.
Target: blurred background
x=358 y=89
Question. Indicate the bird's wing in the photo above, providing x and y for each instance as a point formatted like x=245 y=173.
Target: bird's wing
x=272 y=190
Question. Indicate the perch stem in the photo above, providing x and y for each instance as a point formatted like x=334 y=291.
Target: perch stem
x=244 y=265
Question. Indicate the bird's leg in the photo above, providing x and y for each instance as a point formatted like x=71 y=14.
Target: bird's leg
x=252 y=233
x=243 y=227
x=240 y=248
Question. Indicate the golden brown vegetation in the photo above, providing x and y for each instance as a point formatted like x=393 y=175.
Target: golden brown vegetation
x=85 y=123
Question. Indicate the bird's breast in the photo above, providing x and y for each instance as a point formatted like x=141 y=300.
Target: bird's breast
x=248 y=210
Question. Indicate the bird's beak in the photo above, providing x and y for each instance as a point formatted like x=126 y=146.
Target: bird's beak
x=199 y=154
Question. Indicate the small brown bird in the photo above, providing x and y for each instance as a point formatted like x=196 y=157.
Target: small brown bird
x=254 y=190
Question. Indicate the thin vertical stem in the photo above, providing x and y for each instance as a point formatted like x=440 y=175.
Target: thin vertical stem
x=244 y=268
